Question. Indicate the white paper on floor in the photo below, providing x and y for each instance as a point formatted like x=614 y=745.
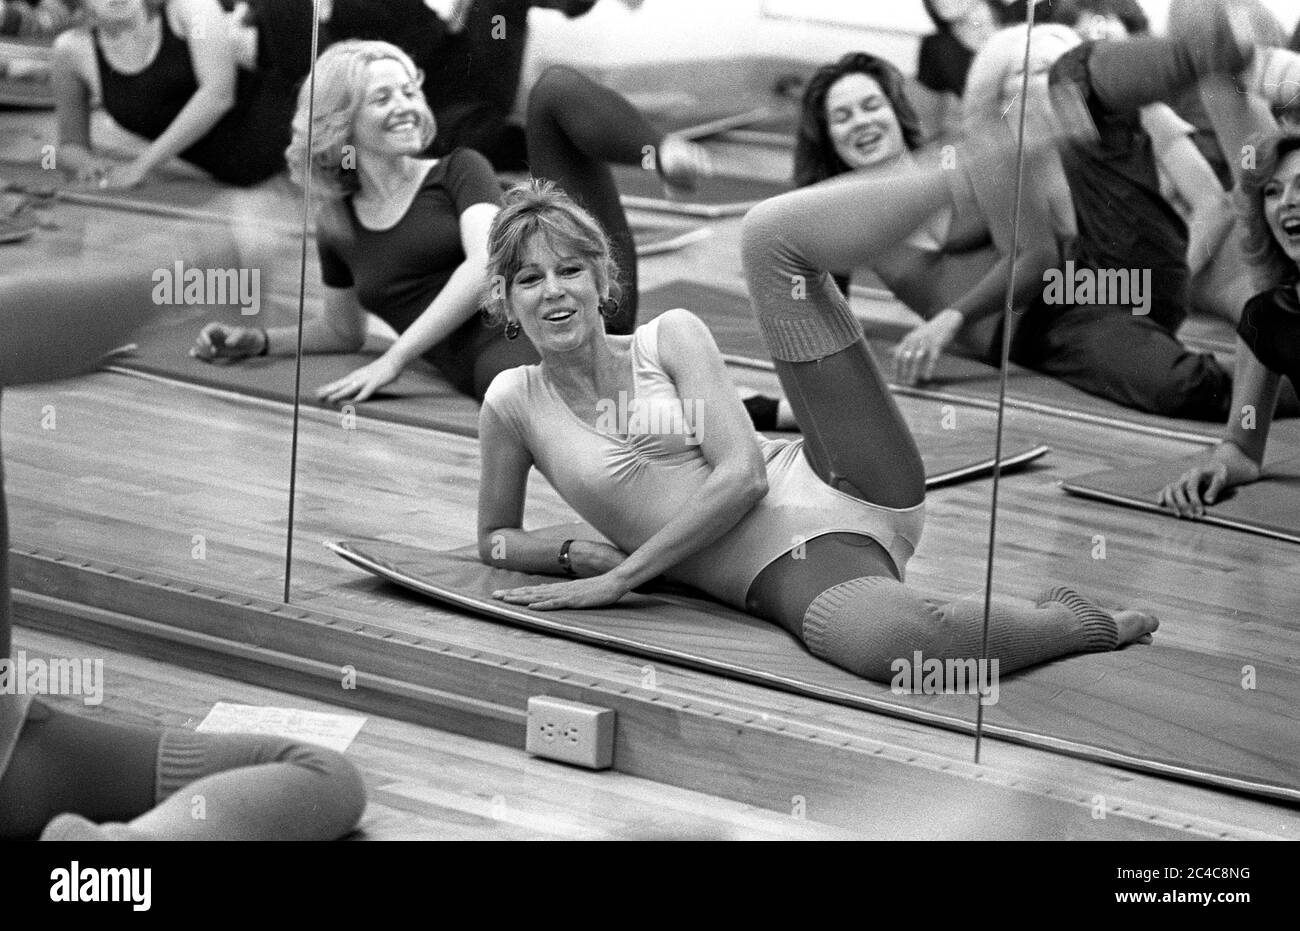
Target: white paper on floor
x=336 y=731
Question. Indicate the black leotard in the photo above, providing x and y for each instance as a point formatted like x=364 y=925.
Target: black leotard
x=245 y=146
x=1270 y=326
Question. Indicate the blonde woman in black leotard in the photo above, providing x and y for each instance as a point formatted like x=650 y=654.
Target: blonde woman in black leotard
x=399 y=235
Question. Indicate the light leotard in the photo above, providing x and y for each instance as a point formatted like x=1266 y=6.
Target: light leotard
x=629 y=487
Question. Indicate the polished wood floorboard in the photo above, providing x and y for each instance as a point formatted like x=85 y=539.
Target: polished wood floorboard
x=425 y=784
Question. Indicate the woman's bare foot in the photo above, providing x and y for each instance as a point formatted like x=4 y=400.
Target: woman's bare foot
x=1131 y=626
x=1135 y=626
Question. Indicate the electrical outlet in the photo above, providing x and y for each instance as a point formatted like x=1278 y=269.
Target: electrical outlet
x=570 y=732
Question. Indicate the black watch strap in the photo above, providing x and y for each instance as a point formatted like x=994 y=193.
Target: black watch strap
x=565 y=562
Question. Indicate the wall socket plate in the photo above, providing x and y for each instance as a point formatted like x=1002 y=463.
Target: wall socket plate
x=570 y=732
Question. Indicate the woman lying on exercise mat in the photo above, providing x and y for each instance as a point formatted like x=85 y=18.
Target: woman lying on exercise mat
x=645 y=437
x=1268 y=336
x=400 y=235
x=184 y=75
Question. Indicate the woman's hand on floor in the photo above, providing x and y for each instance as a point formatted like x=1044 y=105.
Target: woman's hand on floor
x=595 y=592
x=218 y=342
x=362 y=383
x=917 y=354
x=92 y=170
x=124 y=177
x=1185 y=497
x=1204 y=483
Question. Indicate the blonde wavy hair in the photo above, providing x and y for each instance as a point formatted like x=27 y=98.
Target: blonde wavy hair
x=340 y=75
x=539 y=207
x=1268 y=262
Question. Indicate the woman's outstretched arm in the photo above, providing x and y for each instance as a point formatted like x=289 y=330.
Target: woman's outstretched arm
x=1239 y=458
x=213 y=57
x=73 y=64
x=457 y=302
x=340 y=328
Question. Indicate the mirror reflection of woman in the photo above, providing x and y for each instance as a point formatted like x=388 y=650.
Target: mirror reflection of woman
x=399 y=235
x=182 y=75
x=1268 y=335
x=953 y=267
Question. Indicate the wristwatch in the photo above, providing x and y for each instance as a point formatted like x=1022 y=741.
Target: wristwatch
x=565 y=563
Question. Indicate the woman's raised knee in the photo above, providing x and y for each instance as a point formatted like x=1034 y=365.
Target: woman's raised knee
x=765 y=243
x=558 y=86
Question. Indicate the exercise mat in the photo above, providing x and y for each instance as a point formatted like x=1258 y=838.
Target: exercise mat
x=421 y=398
x=1150 y=708
x=1269 y=507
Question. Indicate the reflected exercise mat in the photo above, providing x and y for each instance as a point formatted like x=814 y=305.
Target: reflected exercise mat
x=421 y=398
x=1269 y=507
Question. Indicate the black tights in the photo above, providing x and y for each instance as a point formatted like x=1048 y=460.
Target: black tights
x=576 y=128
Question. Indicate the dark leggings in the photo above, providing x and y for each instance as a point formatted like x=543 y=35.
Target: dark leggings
x=238 y=787
x=842 y=597
x=575 y=129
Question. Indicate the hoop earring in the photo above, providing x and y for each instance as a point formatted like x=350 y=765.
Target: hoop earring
x=512 y=329
x=608 y=307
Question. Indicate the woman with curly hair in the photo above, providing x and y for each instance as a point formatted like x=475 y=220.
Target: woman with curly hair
x=399 y=235
x=1268 y=336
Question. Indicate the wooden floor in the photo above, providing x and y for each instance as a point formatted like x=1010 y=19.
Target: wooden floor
x=426 y=784
x=193 y=486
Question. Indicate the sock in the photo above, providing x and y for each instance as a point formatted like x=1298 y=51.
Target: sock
x=866 y=624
